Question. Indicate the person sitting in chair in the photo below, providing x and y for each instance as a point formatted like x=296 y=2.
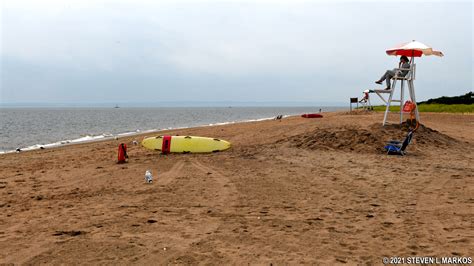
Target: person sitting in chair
x=389 y=74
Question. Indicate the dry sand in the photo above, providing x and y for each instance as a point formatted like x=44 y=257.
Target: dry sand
x=296 y=191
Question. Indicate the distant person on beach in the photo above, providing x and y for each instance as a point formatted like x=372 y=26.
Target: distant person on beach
x=389 y=74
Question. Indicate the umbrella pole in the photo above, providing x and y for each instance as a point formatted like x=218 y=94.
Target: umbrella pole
x=402 y=89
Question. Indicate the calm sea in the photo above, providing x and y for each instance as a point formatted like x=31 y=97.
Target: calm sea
x=25 y=127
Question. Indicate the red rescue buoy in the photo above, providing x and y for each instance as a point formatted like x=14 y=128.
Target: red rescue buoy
x=122 y=153
x=312 y=115
x=409 y=106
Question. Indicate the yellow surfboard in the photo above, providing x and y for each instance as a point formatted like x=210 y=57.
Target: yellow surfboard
x=185 y=144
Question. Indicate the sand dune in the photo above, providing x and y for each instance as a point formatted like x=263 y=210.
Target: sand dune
x=291 y=191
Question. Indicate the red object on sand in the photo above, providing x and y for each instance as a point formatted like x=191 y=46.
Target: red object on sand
x=122 y=153
x=166 y=145
x=312 y=115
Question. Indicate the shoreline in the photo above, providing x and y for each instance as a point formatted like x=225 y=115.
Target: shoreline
x=107 y=136
x=110 y=137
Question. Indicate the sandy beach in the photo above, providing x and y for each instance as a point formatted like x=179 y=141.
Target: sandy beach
x=314 y=191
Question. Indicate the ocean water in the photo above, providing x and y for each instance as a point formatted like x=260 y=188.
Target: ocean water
x=37 y=127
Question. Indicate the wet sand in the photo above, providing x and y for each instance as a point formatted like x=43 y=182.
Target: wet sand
x=292 y=191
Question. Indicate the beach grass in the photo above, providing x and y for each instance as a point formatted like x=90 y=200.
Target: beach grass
x=436 y=108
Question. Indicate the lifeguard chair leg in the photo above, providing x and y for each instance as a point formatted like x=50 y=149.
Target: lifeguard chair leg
x=413 y=99
x=392 y=89
x=401 y=100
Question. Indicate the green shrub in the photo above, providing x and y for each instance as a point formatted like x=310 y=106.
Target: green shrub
x=437 y=108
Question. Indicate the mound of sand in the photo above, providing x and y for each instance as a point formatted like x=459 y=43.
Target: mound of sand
x=368 y=140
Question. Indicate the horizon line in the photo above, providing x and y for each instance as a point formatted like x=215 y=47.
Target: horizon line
x=175 y=104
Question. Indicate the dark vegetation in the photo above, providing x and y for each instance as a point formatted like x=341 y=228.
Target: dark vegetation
x=467 y=98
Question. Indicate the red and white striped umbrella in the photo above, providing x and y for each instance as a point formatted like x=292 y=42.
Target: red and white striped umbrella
x=413 y=49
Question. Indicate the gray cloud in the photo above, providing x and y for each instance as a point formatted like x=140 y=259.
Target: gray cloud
x=225 y=51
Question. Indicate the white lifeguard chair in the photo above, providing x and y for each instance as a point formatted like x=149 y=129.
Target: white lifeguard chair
x=404 y=80
x=365 y=101
x=410 y=49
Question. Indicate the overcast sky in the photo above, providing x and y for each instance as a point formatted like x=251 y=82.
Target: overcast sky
x=145 y=51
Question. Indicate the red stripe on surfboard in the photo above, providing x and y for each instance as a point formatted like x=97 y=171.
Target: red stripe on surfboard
x=166 y=144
